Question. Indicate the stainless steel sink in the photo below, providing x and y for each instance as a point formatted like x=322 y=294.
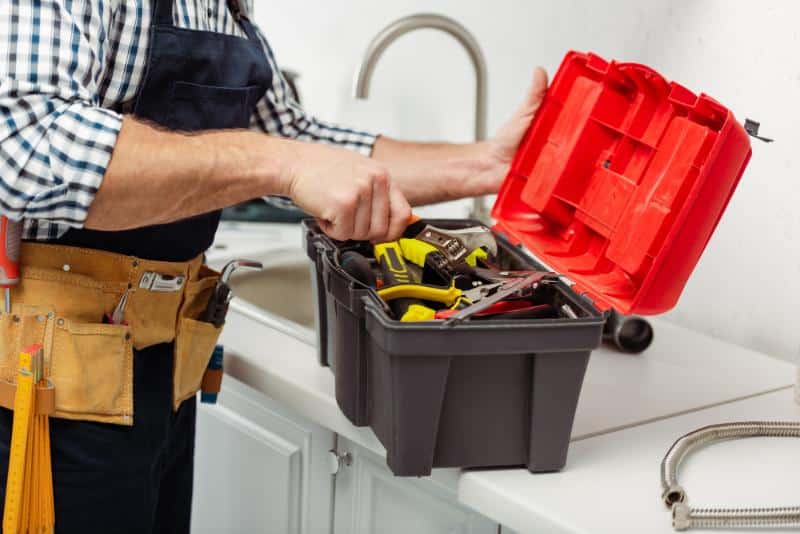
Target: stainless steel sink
x=283 y=288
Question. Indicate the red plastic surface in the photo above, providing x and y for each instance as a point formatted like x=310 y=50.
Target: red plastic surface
x=621 y=180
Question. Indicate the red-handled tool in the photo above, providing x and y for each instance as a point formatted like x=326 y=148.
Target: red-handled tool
x=10 y=238
x=506 y=308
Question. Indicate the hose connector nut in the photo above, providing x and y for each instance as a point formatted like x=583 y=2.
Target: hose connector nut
x=673 y=495
x=681 y=516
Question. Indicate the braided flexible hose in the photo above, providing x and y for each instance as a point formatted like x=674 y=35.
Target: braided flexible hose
x=685 y=517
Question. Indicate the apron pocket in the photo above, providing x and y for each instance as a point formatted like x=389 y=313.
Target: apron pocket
x=91 y=366
x=193 y=347
x=189 y=109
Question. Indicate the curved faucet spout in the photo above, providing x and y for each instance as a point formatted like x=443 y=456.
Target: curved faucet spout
x=405 y=25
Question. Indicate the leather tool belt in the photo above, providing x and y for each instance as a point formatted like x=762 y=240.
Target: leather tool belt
x=63 y=296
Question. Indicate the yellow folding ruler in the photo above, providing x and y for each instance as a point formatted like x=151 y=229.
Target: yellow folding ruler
x=29 y=503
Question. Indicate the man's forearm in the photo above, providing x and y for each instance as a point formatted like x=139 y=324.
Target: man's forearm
x=437 y=172
x=156 y=176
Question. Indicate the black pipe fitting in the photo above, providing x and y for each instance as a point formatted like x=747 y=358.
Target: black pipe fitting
x=629 y=334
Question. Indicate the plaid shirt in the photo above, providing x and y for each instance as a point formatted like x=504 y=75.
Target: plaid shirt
x=65 y=66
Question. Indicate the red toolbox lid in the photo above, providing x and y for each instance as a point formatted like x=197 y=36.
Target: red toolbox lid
x=620 y=181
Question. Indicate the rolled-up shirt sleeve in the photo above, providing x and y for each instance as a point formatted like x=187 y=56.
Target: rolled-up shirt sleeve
x=55 y=139
x=279 y=113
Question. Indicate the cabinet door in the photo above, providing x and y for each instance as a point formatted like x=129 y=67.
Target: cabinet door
x=259 y=469
x=370 y=499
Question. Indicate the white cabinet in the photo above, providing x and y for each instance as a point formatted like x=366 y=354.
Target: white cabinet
x=369 y=500
x=259 y=469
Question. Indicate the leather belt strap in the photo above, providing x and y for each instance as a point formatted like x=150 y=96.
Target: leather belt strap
x=45 y=397
x=100 y=264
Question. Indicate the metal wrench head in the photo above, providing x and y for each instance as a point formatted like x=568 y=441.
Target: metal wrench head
x=232 y=265
x=456 y=245
x=476 y=237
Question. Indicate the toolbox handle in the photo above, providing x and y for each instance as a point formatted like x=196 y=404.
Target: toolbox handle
x=314 y=248
x=342 y=287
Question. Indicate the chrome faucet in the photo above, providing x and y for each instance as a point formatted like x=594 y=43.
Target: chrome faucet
x=421 y=21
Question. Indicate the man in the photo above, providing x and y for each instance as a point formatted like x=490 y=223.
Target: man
x=126 y=126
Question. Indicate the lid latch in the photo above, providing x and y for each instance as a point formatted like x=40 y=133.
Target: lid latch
x=752 y=127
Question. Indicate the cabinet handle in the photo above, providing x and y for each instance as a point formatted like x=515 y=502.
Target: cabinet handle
x=337 y=460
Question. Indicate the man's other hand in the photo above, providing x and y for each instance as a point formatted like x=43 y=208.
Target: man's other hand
x=502 y=148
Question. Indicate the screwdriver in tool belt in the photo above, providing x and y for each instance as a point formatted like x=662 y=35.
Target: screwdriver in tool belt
x=10 y=238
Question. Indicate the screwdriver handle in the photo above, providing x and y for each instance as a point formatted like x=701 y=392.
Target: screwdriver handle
x=10 y=238
x=396 y=274
x=357 y=266
x=393 y=264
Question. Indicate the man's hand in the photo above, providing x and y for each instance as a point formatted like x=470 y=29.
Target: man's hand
x=503 y=147
x=428 y=173
x=351 y=196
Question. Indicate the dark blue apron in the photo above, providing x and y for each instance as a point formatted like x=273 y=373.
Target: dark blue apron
x=194 y=80
x=138 y=479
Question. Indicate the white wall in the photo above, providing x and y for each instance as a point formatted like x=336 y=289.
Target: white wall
x=744 y=53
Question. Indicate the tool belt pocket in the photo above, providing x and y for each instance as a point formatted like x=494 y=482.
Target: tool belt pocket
x=89 y=364
x=91 y=367
x=8 y=330
x=193 y=348
x=195 y=339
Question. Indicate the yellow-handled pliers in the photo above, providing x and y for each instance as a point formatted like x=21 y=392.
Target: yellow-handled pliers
x=449 y=296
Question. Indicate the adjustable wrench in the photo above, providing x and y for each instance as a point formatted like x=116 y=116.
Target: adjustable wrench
x=456 y=245
x=217 y=307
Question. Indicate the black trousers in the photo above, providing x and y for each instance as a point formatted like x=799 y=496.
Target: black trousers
x=115 y=479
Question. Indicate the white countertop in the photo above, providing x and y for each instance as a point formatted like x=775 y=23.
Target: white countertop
x=610 y=483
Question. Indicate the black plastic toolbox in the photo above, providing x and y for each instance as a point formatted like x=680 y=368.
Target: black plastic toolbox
x=617 y=186
x=497 y=393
